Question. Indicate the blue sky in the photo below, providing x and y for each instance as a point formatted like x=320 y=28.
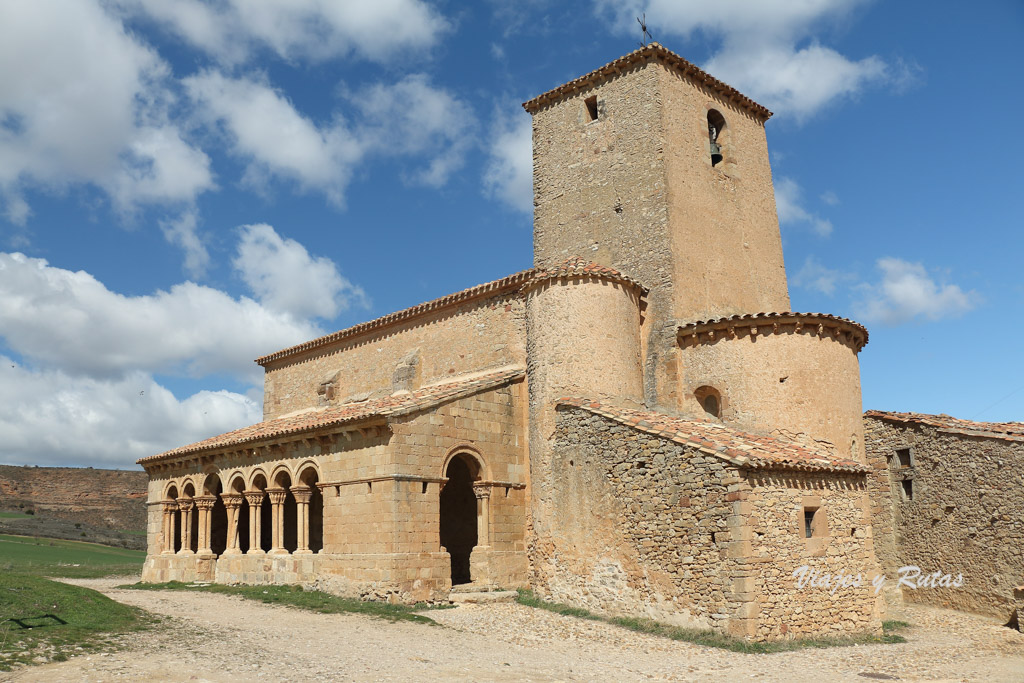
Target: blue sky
x=185 y=186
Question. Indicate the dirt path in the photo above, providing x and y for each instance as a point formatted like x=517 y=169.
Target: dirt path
x=208 y=637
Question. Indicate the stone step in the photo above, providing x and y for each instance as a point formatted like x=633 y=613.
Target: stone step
x=482 y=597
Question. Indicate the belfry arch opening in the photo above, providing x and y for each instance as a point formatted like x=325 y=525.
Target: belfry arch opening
x=716 y=136
x=459 y=514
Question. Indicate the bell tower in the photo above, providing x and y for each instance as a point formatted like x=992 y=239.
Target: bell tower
x=653 y=167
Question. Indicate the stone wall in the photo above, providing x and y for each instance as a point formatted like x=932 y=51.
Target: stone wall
x=113 y=499
x=435 y=346
x=964 y=514
x=645 y=526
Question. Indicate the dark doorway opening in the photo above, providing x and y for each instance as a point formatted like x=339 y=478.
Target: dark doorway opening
x=458 y=516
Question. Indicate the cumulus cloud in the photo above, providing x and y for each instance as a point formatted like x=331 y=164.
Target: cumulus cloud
x=182 y=232
x=414 y=117
x=88 y=103
x=71 y=322
x=232 y=30
x=509 y=172
x=906 y=292
x=286 y=279
x=789 y=204
x=48 y=417
x=264 y=127
x=768 y=49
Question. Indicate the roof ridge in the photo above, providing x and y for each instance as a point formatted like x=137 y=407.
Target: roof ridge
x=734 y=446
x=509 y=282
x=651 y=51
x=1010 y=431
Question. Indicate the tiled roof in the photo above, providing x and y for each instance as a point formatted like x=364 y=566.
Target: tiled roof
x=736 y=447
x=653 y=51
x=389 y=406
x=580 y=267
x=509 y=283
x=858 y=333
x=1009 y=431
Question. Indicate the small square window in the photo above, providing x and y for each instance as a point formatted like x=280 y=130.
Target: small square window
x=590 y=108
x=908 y=489
x=904 y=456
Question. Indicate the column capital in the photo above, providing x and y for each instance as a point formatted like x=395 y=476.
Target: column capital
x=185 y=504
x=231 y=500
x=169 y=505
x=254 y=497
x=481 y=490
x=205 y=502
x=277 y=496
x=302 y=494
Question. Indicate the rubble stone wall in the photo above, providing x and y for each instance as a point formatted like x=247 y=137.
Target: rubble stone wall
x=964 y=515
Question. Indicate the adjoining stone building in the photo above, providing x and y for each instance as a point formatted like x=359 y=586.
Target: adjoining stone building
x=947 y=498
x=637 y=423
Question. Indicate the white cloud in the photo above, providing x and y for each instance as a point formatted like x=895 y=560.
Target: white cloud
x=906 y=291
x=182 y=232
x=232 y=30
x=830 y=198
x=88 y=103
x=71 y=322
x=764 y=50
x=265 y=128
x=814 y=276
x=509 y=173
x=414 y=118
x=286 y=279
x=51 y=418
x=788 y=202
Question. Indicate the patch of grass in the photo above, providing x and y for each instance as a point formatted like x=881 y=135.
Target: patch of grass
x=43 y=620
x=709 y=637
x=295 y=596
x=894 y=625
x=72 y=559
x=12 y=515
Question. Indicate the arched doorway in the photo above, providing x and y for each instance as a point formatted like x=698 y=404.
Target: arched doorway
x=218 y=540
x=175 y=526
x=309 y=478
x=458 y=515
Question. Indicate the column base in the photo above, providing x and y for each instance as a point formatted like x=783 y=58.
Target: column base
x=206 y=555
x=185 y=553
x=256 y=551
x=279 y=551
x=232 y=551
x=306 y=551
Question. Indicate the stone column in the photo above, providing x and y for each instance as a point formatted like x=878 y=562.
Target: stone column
x=232 y=502
x=302 y=494
x=255 y=500
x=169 y=507
x=205 y=506
x=186 y=505
x=483 y=514
x=277 y=498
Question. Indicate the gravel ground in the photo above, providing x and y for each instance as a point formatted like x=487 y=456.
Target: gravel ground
x=208 y=637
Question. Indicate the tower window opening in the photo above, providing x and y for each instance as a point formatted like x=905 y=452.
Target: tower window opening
x=904 y=457
x=710 y=400
x=716 y=125
x=590 y=108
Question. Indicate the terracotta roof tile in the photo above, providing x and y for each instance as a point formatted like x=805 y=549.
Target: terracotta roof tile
x=390 y=406
x=738 y=448
x=858 y=332
x=1009 y=431
x=510 y=283
x=650 y=52
x=580 y=267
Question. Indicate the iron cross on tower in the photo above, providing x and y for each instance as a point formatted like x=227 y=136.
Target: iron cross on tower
x=643 y=27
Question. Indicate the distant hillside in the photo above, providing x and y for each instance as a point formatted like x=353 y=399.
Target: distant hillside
x=111 y=499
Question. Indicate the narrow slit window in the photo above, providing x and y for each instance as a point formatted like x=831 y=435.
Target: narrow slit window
x=809 y=522
x=590 y=108
x=716 y=127
x=908 y=489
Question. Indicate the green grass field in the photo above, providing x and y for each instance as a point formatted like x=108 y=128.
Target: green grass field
x=14 y=515
x=73 y=559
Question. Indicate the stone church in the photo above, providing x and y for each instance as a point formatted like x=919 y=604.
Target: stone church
x=638 y=424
